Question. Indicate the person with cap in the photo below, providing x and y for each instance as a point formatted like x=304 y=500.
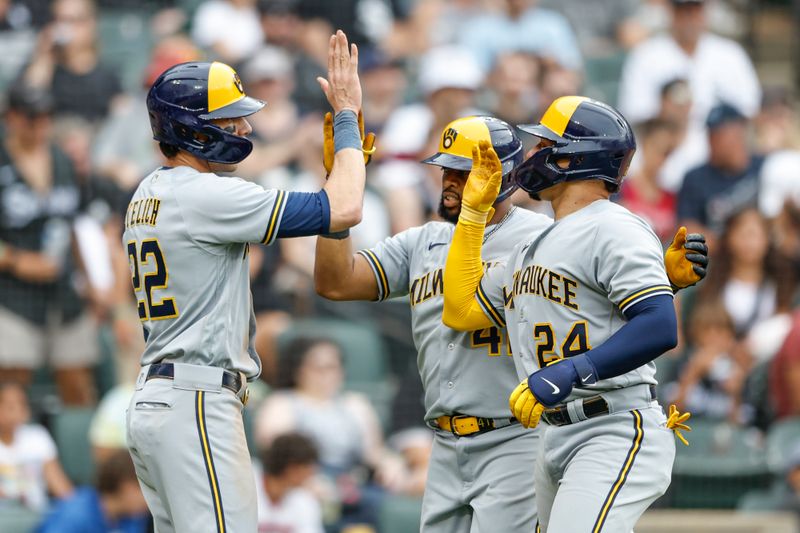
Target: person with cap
x=716 y=68
x=727 y=182
x=479 y=478
x=42 y=316
x=188 y=231
x=449 y=78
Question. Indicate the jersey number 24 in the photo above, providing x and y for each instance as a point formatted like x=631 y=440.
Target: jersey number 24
x=156 y=279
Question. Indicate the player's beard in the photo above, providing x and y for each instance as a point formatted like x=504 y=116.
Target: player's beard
x=450 y=214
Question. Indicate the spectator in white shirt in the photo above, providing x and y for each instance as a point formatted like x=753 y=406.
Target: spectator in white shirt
x=284 y=505
x=29 y=466
x=717 y=69
x=229 y=29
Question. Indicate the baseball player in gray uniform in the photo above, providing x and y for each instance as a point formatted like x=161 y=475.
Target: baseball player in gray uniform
x=589 y=306
x=480 y=472
x=187 y=234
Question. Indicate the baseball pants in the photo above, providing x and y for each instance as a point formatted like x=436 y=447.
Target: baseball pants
x=601 y=474
x=187 y=441
x=481 y=483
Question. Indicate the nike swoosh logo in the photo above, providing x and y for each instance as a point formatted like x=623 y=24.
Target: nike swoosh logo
x=556 y=390
x=584 y=380
x=432 y=245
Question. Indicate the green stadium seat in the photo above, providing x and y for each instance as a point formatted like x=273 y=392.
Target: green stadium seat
x=782 y=439
x=400 y=514
x=18 y=519
x=721 y=464
x=764 y=500
x=71 y=432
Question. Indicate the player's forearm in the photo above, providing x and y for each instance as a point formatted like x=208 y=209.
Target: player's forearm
x=32 y=267
x=462 y=275
x=651 y=330
x=339 y=274
x=345 y=185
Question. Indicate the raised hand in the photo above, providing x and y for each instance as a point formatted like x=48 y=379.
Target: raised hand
x=484 y=180
x=342 y=87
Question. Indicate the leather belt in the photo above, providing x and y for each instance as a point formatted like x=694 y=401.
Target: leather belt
x=593 y=406
x=230 y=380
x=466 y=425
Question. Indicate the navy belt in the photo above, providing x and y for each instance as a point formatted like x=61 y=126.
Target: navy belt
x=167 y=371
x=592 y=407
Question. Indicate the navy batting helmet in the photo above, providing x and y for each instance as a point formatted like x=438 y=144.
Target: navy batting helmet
x=596 y=140
x=187 y=97
x=458 y=138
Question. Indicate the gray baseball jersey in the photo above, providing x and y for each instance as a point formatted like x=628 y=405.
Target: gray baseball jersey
x=197 y=227
x=565 y=292
x=562 y=294
x=461 y=372
x=478 y=483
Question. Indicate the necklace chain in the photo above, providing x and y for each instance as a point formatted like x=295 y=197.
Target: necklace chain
x=500 y=223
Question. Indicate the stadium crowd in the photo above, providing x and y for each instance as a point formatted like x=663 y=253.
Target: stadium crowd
x=336 y=422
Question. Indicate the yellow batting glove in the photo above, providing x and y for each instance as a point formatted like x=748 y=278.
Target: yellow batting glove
x=328 y=148
x=675 y=422
x=483 y=184
x=367 y=142
x=327 y=142
x=524 y=405
x=686 y=259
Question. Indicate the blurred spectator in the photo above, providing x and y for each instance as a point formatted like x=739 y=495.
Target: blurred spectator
x=42 y=318
x=641 y=192
x=603 y=28
x=784 y=374
x=343 y=425
x=776 y=124
x=514 y=88
x=675 y=103
x=779 y=182
x=29 y=466
x=448 y=78
x=107 y=432
x=712 y=379
x=414 y=445
x=307 y=44
x=717 y=70
x=124 y=149
x=230 y=30
x=17 y=39
x=115 y=505
x=791 y=499
x=278 y=132
x=364 y=21
x=284 y=504
x=430 y=24
x=752 y=280
x=521 y=25
x=712 y=192
x=66 y=61
x=384 y=83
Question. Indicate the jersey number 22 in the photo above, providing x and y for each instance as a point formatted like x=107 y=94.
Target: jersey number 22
x=156 y=279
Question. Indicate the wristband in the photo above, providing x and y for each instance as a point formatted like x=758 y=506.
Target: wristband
x=470 y=215
x=338 y=235
x=345 y=131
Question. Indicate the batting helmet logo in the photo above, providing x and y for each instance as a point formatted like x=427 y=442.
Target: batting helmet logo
x=238 y=83
x=449 y=137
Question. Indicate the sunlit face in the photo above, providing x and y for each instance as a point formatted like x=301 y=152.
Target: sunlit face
x=321 y=370
x=748 y=238
x=453 y=182
x=14 y=409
